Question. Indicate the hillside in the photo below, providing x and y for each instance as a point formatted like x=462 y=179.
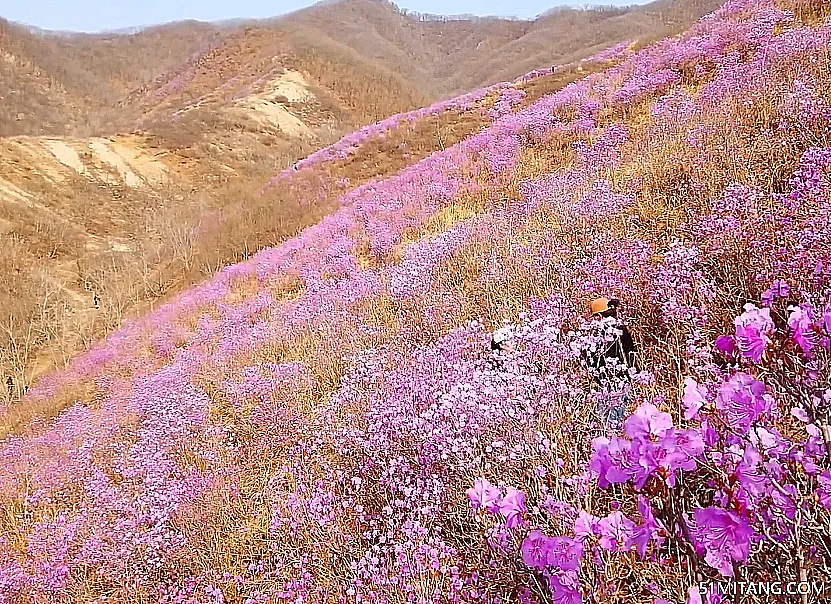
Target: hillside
x=120 y=148
x=68 y=84
x=109 y=81
x=398 y=404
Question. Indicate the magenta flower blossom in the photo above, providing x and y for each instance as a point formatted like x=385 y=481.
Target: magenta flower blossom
x=778 y=290
x=616 y=532
x=646 y=458
x=726 y=345
x=674 y=452
x=752 y=329
x=656 y=445
x=484 y=495
x=693 y=399
x=535 y=550
x=801 y=322
x=723 y=537
x=694 y=595
x=682 y=448
x=611 y=461
x=650 y=530
x=800 y=414
x=512 y=507
x=751 y=478
x=565 y=588
x=648 y=421
x=743 y=400
x=541 y=552
x=585 y=526
x=565 y=554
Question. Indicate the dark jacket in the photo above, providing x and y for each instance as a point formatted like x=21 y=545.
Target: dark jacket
x=621 y=348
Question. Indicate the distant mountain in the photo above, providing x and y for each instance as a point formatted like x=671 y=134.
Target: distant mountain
x=89 y=84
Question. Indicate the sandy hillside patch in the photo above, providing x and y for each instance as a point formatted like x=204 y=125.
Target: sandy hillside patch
x=269 y=107
x=67 y=155
x=10 y=192
x=273 y=114
x=141 y=161
x=110 y=157
x=291 y=85
x=41 y=160
x=23 y=156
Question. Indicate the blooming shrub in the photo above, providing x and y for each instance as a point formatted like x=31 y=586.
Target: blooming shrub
x=730 y=490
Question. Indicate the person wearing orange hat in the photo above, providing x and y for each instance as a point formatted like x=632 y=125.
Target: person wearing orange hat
x=623 y=347
x=612 y=363
x=602 y=305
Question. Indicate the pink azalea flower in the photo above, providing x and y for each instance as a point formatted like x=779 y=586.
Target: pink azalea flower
x=512 y=507
x=650 y=530
x=682 y=448
x=484 y=495
x=752 y=329
x=648 y=421
x=561 y=553
x=585 y=526
x=751 y=342
x=565 y=554
x=616 y=532
x=674 y=452
x=565 y=588
x=726 y=345
x=743 y=400
x=779 y=289
x=693 y=399
x=723 y=536
x=751 y=478
x=800 y=414
x=611 y=461
x=646 y=458
x=535 y=550
x=824 y=490
x=800 y=321
x=694 y=595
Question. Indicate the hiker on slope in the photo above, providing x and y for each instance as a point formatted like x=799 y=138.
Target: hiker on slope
x=621 y=347
x=612 y=359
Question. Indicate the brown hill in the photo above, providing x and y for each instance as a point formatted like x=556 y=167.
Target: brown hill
x=443 y=56
x=69 y=83
x=371 y=58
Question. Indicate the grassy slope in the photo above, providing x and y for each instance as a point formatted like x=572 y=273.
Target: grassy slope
x=217 y=159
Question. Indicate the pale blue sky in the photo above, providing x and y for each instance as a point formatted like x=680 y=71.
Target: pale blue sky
x=97 y=15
